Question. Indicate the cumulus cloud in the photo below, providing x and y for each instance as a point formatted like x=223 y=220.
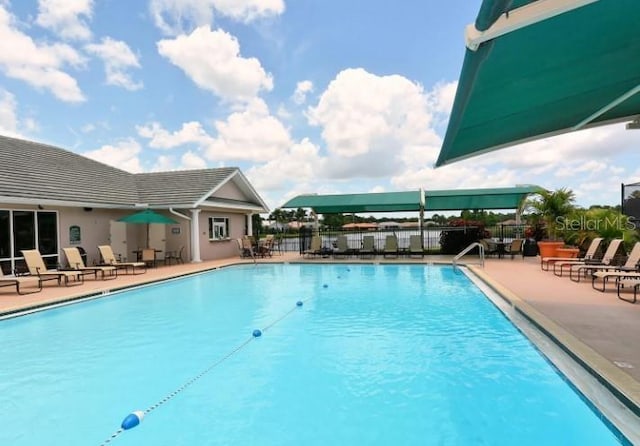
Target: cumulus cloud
x=298 y=165
x=190 y=133
x=39 y=65
x=302 y=89
x=118 y=59
x=188 y=160
x=370 y=123
x=223 y=70
x=175 y=17
x=251 y=134
x=67 y=18
x=123 y=155
x=8 y=114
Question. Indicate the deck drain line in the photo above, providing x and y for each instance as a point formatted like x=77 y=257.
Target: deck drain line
x=135 y=417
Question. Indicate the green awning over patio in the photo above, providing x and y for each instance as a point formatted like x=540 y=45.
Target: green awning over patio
x=353 y=203
x=437 y=200
x=463 y=199
x=564 y=72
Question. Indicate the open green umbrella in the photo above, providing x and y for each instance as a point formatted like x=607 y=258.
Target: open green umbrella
x=146 y=217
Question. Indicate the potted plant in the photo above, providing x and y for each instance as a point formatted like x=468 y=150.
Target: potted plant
x=551 y=208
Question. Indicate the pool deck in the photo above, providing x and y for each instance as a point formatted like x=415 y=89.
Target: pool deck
x=597 y=328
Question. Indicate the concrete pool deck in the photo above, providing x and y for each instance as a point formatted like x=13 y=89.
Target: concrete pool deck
x=597 y=328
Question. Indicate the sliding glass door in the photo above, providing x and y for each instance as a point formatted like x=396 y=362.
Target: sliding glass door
x=20 y=230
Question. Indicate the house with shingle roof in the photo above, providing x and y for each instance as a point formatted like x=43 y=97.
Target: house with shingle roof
x=51 y=198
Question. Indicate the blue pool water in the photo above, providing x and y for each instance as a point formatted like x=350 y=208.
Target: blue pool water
x=383 y=355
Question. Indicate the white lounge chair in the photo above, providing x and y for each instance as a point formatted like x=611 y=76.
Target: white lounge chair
x=627 y=271
x=37 y=267
x=109 y=259
x=18 y=281
x=592 y=251
x=582 y=268
x=75 y=262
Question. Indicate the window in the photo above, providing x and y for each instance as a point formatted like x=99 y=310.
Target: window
x=218 y=228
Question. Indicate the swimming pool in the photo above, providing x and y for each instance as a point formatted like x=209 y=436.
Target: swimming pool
x=389 y=354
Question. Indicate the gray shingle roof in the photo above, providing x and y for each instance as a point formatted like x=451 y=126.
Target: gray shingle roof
x=179 y=187
x=35 y=171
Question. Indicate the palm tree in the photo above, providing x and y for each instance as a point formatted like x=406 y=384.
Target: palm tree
x=552 y=207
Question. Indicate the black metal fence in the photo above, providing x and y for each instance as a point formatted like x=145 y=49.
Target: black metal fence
x=432 y=237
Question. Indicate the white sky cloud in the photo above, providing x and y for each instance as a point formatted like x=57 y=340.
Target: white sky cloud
x=39 y=65
x=223 y=70
x=8 y=115
x=118 y=59
x=302 y=89
x=370 y=123
x=189 y=133
x=175 y=17
x=251 y=134
x=123 y=155
x=67 y=18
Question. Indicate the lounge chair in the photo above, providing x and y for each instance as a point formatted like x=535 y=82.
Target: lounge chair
x=415 y=246
x=390 y=246
x=634 y=284
x=583 y=267
x=75 y=262
x=37 y=267
x=515 y=247
x=109 y=259
x=627 y=271
x=17 y=281
x=315 y=249
x=342 y=246
x=591 y=253
x=368 y=246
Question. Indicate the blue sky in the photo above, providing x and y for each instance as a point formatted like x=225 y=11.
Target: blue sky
x=304 y=96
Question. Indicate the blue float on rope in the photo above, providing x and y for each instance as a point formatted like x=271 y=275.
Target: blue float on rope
x=257 y=333
x=132 y=420
x=299 y=303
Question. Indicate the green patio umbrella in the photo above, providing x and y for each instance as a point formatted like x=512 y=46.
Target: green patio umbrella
x=146 y=217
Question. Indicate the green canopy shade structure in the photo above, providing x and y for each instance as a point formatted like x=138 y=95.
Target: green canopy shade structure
x=534 y=69
x=461 y=199
x=437 y=200
x=352 y=203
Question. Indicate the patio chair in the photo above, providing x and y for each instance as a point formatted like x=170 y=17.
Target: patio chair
x=37 y=267
x=584 y=266
x=148 y=257
x=490 y=247
x=315 y=248
x=265 y=246
x=591 y=253
x=515 y=247
x=342 y=246
x=17 y=281
x=368 y=246
x=75 y=262
x=109 y=258
x=246 y=247
x=415 y=246
x=390 y=246
x=174 y=256
x=627 y=271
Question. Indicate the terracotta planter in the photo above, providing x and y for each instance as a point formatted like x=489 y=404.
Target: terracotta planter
x=549 y=248
x=568 y=252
